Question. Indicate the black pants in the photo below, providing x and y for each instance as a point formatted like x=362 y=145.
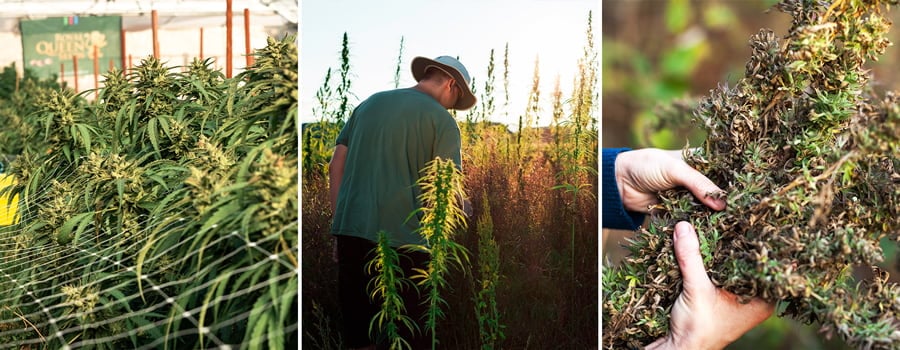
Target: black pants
x=356 y=305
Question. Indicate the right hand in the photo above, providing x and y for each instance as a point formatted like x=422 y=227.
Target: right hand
x=705 y=317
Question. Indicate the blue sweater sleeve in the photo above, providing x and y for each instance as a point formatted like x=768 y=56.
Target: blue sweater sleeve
x=614 y=214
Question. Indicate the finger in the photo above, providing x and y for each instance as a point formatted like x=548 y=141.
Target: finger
x=677 y=154
x=680 y=153
x=687 y=252
x=752 y=313
x=701 y=186
x=760 y=309
x=755 y=308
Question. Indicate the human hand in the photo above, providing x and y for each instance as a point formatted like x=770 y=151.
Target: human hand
x=640 y=174
x=705 y=317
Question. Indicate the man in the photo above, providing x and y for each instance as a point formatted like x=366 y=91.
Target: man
x=388 y=139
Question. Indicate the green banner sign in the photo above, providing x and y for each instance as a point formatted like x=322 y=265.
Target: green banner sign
x=47 y=43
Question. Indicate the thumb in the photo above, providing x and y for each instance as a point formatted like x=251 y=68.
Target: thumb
x=687 y=252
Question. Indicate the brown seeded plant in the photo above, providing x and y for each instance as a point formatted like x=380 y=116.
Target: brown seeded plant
x=807 y=154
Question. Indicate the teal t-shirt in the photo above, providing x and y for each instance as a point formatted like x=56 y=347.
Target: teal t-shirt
x=390 y=137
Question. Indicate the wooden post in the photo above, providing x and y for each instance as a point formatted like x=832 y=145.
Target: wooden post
x=75 y=71
x=228 y=27
x=129 y=61
x=96 y=71
x=62 y=74
x=247 y=37
x=112 y=64
x=155 y=23
x=123 y=49
x=201 y=43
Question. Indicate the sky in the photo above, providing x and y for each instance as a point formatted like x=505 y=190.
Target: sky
x=551 y=30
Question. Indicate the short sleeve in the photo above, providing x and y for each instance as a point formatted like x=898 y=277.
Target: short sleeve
x=447 y=141
x=344 y=136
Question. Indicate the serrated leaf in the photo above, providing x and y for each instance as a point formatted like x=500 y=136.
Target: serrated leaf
x=65 y=231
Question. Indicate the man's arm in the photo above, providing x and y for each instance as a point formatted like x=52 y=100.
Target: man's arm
x=336 y=173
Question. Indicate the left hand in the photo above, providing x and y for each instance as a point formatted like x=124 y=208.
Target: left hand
x=640 y=174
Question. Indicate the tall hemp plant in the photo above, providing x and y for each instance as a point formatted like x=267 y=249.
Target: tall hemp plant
x=386 y=285
x=487 y=311
x=807 y=154
x=441 y=217
x=332 y=109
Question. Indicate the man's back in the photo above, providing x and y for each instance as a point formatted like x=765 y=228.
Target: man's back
x=390 y=137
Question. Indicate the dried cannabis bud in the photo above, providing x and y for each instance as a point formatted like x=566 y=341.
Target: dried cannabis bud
x=809 y=157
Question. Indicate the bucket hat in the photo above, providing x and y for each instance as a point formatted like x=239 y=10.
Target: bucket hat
x=452 y=67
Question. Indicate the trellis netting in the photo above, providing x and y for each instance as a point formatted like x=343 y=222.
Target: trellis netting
x=161 y=215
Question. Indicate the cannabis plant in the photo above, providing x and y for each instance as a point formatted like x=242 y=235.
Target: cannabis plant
x=807 y=154
x=441 y=217
x=486 y=309
x=144 y=222
x=386 y=286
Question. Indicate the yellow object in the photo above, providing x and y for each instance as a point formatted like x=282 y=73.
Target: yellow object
x=8 y=208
